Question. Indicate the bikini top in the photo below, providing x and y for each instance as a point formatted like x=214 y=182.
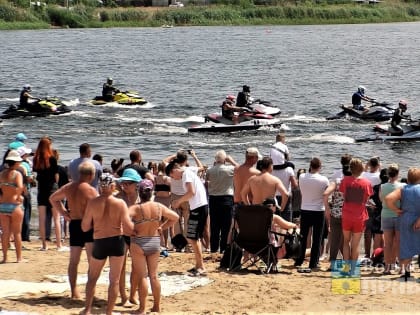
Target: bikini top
x=143 y=220
x=162 y=187
x=10 y=184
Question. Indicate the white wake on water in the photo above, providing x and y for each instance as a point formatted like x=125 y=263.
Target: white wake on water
x=322 y=137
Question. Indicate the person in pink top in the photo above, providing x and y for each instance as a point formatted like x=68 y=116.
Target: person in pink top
x=356 y=191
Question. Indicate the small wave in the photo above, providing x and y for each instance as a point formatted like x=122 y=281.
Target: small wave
x=85 y=114
x=164 y=129
x=116 y=105
x=180 y=120
x=8 y=99
x=74 y=102
x=177 y=120
x=325 y=138
x=303 y=118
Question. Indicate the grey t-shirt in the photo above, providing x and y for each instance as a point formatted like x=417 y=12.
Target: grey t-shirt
x=220 y=180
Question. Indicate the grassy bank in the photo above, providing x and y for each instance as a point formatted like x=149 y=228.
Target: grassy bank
x=81 y=16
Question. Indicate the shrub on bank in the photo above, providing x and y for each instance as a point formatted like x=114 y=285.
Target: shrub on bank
x=75 y=17
x=120 y=15
x=10 y=13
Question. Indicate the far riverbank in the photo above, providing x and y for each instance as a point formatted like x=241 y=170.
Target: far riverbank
x=82 y=16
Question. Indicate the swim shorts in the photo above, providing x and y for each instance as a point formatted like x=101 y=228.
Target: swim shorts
x=197 y=222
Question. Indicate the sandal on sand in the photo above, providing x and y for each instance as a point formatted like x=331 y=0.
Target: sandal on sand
x=198 y=272
x=304 y=270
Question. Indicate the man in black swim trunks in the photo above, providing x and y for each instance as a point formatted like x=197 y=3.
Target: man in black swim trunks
x=108 y=216
x=77 y=194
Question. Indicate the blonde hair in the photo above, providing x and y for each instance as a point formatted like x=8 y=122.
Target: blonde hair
x=356 y=167
x=86 y=168
x=413 y=175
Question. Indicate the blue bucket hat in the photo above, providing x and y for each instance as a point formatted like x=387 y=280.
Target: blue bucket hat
x=130 y=175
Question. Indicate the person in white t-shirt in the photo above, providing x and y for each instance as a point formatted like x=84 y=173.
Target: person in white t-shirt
x=312 y=186
x=196 y=196
x=178 y=189
x=279 y=153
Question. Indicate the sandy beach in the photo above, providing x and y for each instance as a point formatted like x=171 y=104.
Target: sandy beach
x=248 y=292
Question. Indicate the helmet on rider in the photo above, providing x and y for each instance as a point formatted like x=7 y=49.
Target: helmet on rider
x=403 y=104
x=246 y=89
x=230 y=98
x=361 y=89
x=109 y=80
x=27 y=87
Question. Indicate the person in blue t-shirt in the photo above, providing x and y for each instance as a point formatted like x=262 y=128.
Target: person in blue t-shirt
x=357 y=98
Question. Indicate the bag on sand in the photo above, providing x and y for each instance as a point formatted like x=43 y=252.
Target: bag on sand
x=179 y=242
x=293 y=243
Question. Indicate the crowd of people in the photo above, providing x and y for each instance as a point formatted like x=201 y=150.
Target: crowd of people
x=180 y=204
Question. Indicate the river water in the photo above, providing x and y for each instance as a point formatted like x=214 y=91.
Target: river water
x=185 y=72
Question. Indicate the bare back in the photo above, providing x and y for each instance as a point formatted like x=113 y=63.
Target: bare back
x=78 y=195
x=146 y=218
x=240 y=178
x=107 y=214
x=263 y=186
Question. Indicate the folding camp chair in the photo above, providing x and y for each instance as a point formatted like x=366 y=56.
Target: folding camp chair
x=252 y=232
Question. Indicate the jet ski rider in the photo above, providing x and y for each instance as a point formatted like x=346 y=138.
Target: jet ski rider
x=25 y=96
x=357 y=98
x=108 y=90
x=398 y=116
x=243 y=98
x=229 y=109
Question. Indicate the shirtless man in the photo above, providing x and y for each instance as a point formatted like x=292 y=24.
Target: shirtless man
x=264 y=185
x=108 y=216
x=77 y=195
x=244 y=172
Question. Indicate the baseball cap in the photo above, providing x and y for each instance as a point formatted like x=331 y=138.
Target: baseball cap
x=145 y=184
x=21 y=137
x=130 y=175
x=253 y=151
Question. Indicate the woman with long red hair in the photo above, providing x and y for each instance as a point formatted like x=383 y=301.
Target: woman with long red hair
x=46 y=167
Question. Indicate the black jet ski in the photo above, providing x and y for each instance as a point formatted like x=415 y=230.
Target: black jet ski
x=377 y=112
x=246 y=121
x=122 y=98
x=411 y=132
x=40 y=108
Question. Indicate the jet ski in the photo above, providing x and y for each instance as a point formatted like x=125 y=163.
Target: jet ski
x=40 y=108
x=378 y=111
x=244 y=116
x=217 y=123
x=411 y=132
x=264 y=107
x=122 y=98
